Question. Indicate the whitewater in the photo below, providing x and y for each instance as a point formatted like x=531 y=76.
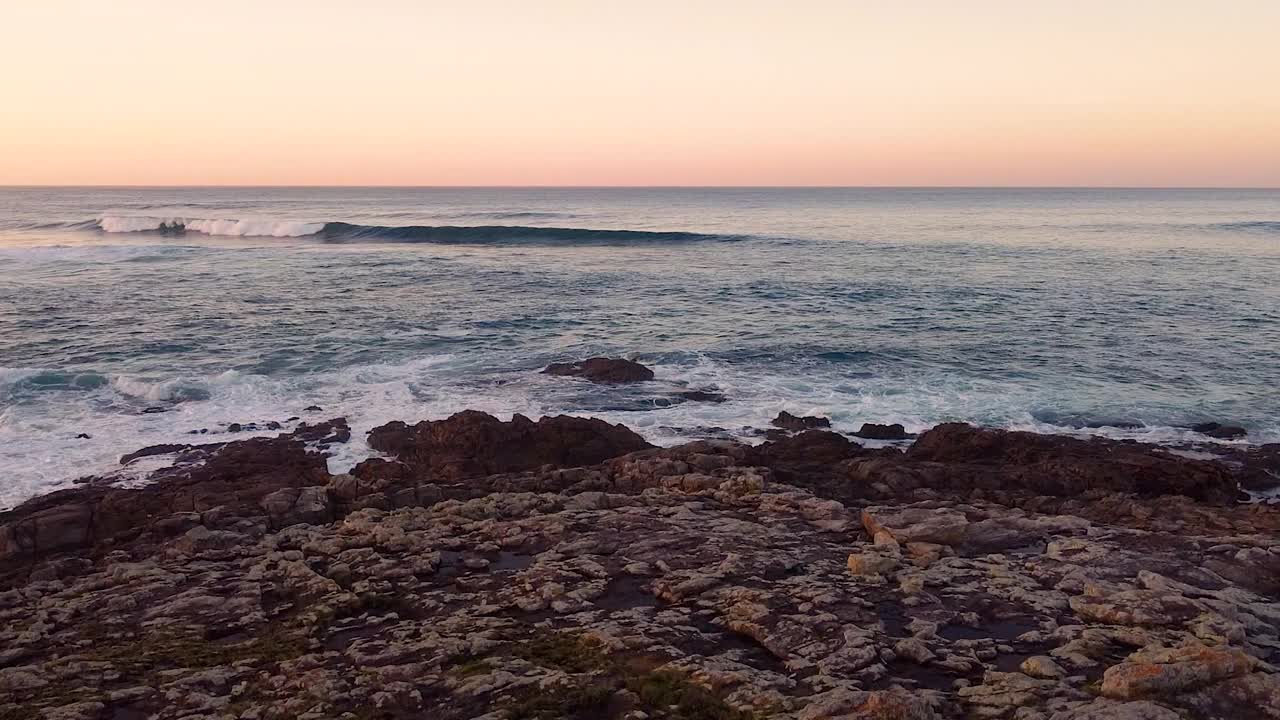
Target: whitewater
x=131 y=317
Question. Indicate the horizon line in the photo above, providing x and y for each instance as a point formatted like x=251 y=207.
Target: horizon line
x=633 y=187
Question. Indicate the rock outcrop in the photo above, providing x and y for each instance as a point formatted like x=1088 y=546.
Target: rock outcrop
x=1063 y=466
x=564 y=569
x=472 y=443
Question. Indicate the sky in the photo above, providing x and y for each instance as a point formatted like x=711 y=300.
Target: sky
x=650 y=92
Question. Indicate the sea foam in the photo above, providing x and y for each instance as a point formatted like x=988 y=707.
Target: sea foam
x=230 y=228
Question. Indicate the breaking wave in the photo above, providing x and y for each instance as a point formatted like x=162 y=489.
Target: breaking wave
x=351 y=232
x=235 y=228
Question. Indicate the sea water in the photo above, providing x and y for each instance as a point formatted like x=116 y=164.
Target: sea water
x=144 y=316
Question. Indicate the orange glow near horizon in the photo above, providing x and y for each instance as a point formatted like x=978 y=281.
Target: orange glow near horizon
x=571 y=92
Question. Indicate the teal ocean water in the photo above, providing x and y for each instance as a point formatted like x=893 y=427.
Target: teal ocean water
x=1129 y=313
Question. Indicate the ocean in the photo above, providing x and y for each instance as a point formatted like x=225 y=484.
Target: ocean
x=141 y=316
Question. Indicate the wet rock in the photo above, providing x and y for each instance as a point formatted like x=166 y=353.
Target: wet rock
x=312 y=408
x=873 y=431
x=701 y=396
x=602 y=370
x=787 y=421
x=153 y=450
x=1220 y=431
x=1259 y=466
x=325 y=433
x=83 y=436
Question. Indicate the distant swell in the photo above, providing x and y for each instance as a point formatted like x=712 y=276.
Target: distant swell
x=503 y=233
x=1257 y=226
x=351 y=232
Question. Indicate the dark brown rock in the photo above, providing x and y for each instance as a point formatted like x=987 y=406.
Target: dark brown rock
x=325 y=433
x=812 y=459
x=787 y=421
x=381 y=468
x=872 y=431
x=1063 y=466
x=701 y=396
x=602 y=370
x=233 y=475
x=153 y=450
x=292 y=505
x=473 y=443
x=1220 y=431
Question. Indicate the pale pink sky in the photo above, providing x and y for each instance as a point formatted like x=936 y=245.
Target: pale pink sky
x=656 y=92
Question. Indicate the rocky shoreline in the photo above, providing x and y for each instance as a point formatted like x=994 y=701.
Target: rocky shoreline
x=565 y=568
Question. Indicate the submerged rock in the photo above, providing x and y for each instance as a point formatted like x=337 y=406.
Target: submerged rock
x=602 y=370
x=1220 y=431
x=701 y=396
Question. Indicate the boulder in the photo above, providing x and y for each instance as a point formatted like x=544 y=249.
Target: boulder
x=1043 y=667
x=609 y=371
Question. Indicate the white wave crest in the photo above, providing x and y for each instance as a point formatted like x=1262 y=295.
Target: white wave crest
x=208 y=226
